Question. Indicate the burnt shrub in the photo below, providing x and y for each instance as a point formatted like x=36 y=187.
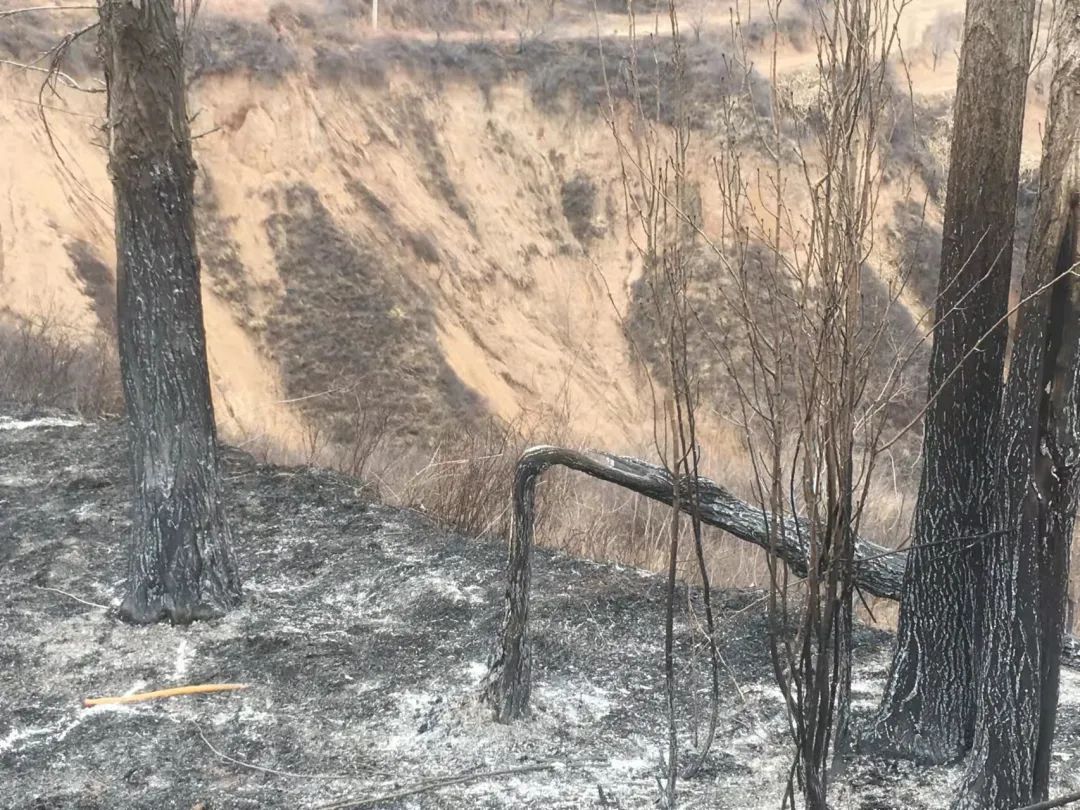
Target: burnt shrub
x=481 y=63
x=436 y=179
x=29 y=37
x=97 y=281
x=560 y=75
x=350 y=321
x=364 y=65
x=919 y=243
x=423 y=246
x=575 y=71
x=46 y=363
x=218 y=250
x=220 y=46
x=579 y=205
x=25 y=39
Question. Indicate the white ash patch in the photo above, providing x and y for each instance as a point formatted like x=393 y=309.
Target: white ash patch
x=251 y=716
x=1070 y=688
x=86 y=512
x=17 y=481
x=578 y=702
x=413 y=709
x=259 y=587
x=445 y=586
x=21 y=739
x=184 y=654
x=7 y=423
x=643 y=765
x=17 y=738
x=476 y=672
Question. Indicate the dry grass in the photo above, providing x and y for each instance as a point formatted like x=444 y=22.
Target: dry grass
x=464 y=483
x=44 y=362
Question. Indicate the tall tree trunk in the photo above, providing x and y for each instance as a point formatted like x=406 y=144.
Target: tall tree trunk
x=1037 y=483
x=928 y=709
x=180 y=564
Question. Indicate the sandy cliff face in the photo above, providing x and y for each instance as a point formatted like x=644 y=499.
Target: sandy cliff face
x=372 y=229
x=405 y=230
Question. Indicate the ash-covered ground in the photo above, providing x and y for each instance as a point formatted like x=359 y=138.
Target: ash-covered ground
x=364 y=634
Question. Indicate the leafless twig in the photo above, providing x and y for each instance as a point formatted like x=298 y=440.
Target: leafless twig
x=30 y=9
x=73 y=596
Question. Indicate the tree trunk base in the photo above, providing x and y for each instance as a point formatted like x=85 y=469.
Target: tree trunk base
x=900 y=736
x=142 y=610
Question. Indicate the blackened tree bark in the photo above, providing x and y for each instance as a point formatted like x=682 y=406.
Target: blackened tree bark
x=1037 y=482
x=509 y=683
x=180 y=560
x=928 y=709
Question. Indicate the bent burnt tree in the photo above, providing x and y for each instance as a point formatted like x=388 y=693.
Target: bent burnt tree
x=879 y=571
x=181 y=564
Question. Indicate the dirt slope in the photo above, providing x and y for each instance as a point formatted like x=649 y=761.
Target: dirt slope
x=383 y=217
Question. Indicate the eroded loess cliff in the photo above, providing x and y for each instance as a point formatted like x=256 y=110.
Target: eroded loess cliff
x=431 y=220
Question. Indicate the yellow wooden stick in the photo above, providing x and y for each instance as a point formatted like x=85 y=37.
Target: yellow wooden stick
x=163 y=693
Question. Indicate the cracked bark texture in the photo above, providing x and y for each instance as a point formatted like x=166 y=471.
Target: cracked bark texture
x=1037 y=484
x=878 y=570
x=180 y=560
x=928 y=709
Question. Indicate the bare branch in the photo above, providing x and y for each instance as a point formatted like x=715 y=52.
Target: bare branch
x=32 y=9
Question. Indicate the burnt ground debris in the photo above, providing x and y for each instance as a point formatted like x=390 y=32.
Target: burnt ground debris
x=364 y=633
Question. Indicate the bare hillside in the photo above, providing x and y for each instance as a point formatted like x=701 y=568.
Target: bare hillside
x=432 y=217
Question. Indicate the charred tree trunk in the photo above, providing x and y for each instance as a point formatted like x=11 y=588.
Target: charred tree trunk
x=509 y=681
x=928 y=709
x=180 y=564
x=878 y=571
x=1037 y=484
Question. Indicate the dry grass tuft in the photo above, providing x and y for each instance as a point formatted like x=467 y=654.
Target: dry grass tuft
x=44 y=362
